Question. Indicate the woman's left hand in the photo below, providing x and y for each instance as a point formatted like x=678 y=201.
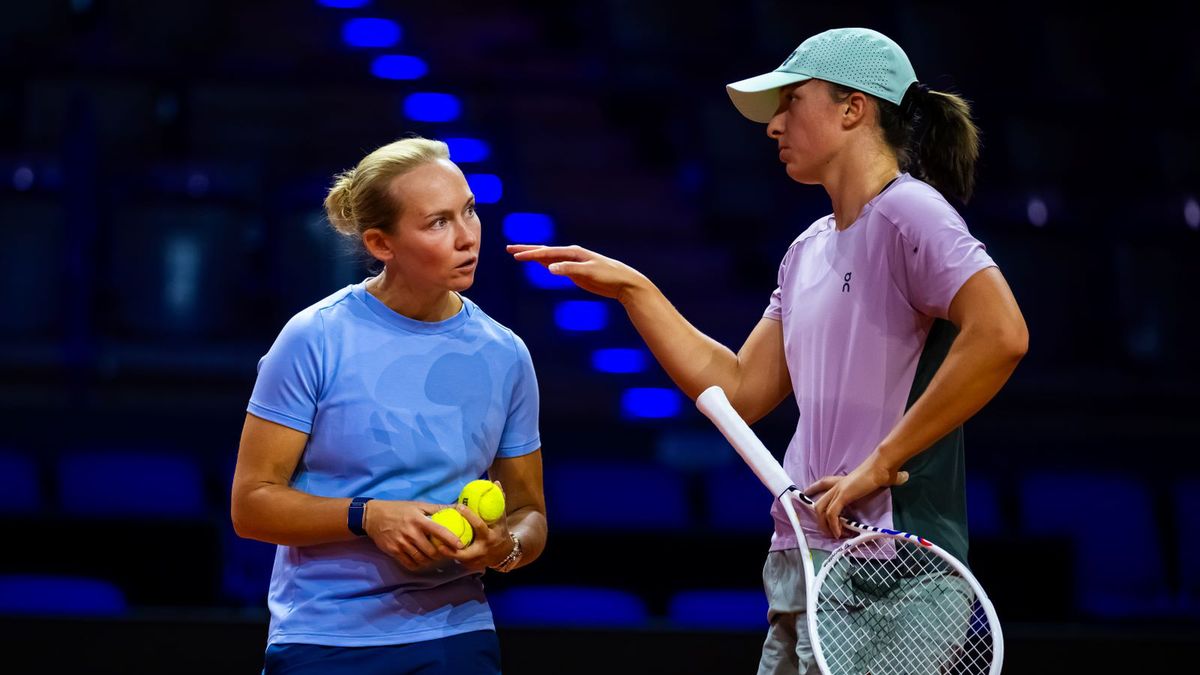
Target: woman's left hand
x=841 y=491
x=492 y=543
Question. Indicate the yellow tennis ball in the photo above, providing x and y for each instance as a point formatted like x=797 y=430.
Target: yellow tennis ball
x=454 y=521
x=484 y=498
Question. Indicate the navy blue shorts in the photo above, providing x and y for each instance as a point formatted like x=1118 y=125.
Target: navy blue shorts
x=477 y=652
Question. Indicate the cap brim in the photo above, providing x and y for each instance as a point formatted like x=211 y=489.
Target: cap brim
x=757 y=98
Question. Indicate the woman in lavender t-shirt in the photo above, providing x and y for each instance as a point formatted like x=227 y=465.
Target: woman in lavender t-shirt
x=890 y=325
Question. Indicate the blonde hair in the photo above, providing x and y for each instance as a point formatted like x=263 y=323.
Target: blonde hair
x=359 y=199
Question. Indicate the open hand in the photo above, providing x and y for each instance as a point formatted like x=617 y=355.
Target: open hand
x=589 y=270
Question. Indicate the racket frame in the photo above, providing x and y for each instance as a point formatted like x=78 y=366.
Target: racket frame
x=869 y=533
x=713 y=403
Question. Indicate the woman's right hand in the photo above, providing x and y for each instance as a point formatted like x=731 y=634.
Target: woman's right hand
x=589 y=270
x=403 y=531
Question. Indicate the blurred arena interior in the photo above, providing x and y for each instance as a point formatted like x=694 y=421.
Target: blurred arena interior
x=162 y=167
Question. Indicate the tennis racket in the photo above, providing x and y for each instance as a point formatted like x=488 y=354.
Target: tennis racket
x=885 y=602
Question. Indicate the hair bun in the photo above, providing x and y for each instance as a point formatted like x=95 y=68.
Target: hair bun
x=339 y=204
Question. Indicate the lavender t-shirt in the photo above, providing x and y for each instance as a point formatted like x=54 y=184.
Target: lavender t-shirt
x=857 y=306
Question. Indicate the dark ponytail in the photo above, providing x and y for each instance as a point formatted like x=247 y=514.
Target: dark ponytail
x=945 y=152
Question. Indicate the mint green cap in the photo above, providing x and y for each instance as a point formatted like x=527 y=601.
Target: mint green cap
x=859 y=58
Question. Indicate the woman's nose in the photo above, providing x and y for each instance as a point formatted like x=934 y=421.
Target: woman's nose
x=775 y=126
x=467 y=236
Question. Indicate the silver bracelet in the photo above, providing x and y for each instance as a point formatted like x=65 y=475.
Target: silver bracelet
x=512 y=559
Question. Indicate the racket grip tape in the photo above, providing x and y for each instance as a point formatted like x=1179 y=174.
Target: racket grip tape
x=716 y=407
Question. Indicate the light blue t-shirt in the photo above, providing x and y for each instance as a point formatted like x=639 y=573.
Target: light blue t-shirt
x=395 y=409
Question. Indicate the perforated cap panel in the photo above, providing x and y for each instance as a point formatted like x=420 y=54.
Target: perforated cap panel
x=860 y=58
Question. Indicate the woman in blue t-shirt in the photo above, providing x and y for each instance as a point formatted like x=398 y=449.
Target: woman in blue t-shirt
x=371 y=411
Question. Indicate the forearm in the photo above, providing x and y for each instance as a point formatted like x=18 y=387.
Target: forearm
x=529 y=524
x=279 y=514
x=690 y=358
x=976 y=367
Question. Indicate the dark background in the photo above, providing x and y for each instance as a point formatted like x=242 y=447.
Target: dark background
x=162 y=167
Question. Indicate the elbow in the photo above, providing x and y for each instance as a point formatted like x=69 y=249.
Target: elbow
x=1018 y=342
x=1006 y=341
x=240 y=526
x=242 y=520
x=1012 y=342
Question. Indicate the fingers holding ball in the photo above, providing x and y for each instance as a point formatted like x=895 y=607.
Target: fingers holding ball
x=455 y=522
x=485 y=498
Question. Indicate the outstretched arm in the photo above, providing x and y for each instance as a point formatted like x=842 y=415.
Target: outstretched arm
x=755 y=378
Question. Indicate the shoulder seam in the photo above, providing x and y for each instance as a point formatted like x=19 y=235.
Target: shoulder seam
x=335 y=303
x=880 y=208
x=890 y=221
x=512 y=335
x=808 y=233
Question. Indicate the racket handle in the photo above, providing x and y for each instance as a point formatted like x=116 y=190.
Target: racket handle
x=716 y=407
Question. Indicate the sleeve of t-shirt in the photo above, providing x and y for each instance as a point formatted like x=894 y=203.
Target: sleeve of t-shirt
x=774 y=309
x=520 y=436
x=289 y=375
x=938 y=255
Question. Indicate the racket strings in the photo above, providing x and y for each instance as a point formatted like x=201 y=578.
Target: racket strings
x=899 y=609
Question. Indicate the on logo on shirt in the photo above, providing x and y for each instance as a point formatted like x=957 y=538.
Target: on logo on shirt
x=846 y=284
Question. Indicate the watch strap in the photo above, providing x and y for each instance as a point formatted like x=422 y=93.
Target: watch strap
x=354 y=517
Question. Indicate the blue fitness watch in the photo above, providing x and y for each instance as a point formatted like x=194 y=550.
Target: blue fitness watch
x=354 y=519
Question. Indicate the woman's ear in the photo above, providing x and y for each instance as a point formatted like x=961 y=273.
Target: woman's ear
x=854 y=109
x=377 y=244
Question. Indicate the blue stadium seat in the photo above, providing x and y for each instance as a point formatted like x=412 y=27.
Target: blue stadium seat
x=737 y=500
x=20 y=485
x=22 y=594
x=983 y=507
x=1110 y=520
x=129 y=484
x=689 y=450
x=615 y=495
x=568 y=606
x=1185 y=503
x=719 y=609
